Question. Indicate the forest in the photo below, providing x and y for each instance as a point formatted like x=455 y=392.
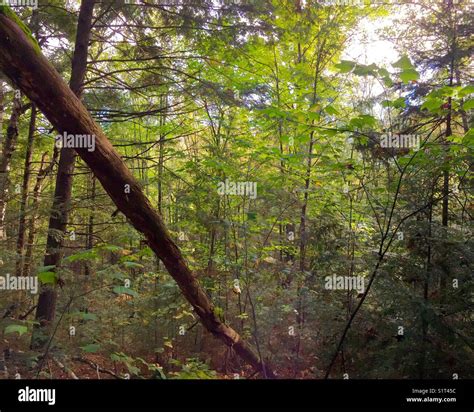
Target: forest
x=236 y=189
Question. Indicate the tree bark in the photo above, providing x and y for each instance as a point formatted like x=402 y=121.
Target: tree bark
x=2 y=108
x=42 y=174
x=7 y=151
x=23 y=65
x=20 y=244
x=46 y=309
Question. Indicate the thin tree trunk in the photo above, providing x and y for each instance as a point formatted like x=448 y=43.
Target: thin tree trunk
x=2 y=114
x=7 y=151
x=446 y=144
x=426 y=286
x=42 y=174
x=46 y=309
x=300 y=317
x=90 y=225
x=20 y=244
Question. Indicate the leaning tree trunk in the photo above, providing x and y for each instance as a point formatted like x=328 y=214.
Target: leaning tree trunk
x=24 y=66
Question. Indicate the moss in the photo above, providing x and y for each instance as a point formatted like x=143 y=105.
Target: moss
x=7 y=11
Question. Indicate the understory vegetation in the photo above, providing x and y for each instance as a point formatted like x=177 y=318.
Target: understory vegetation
x=311 y=161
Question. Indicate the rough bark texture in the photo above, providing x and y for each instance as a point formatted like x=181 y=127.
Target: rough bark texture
x=9 y=145
x=46 y=309
x=33 y=74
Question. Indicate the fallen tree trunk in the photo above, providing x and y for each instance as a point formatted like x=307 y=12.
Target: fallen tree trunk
x=31 y=72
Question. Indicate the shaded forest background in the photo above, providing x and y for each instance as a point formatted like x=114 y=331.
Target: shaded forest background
x=201 y=92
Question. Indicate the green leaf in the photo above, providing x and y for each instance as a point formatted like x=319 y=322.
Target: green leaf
x=397 y=103
x=91 y=348
x=88 y=316
x=128 y=264
x=408 y=75
x=364 y=70
x=447 y=91
x=465 y=91
x=328 y=132
x=331 y=110
x=89 y=254
x=122 y=289
x=363 y=121
x=432 y=104
x=45 y=268
x=47 y=277
x=345 y=66
x=387 y=81
x=468 y=104
x=21 y=329
x=313 y=116
x=219 y=312
x=110 y=248
x=403 y=63
x=252 y=215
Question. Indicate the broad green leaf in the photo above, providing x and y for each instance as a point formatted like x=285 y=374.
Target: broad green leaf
x=465 y=91
x=363 y=121
x=88 y=316
x=21 y=329
x=47 y=277
x=397 y=103
x=468 y=104
x=91 y=348
x=328 y=132
x=345 y=66
x=409 y=75
x=403 y=63
x=363 y=70
x=432 y=104
x=331 y=110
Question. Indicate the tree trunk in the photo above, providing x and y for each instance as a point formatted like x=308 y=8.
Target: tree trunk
x=46 y=309
x=24 y=65
x=88 y=269
x=42 y=174
x=2 y=108
x=20 y=244
x=7 y=152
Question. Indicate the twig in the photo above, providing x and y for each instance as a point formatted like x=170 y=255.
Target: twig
x=69 y=371
x=96 y=367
